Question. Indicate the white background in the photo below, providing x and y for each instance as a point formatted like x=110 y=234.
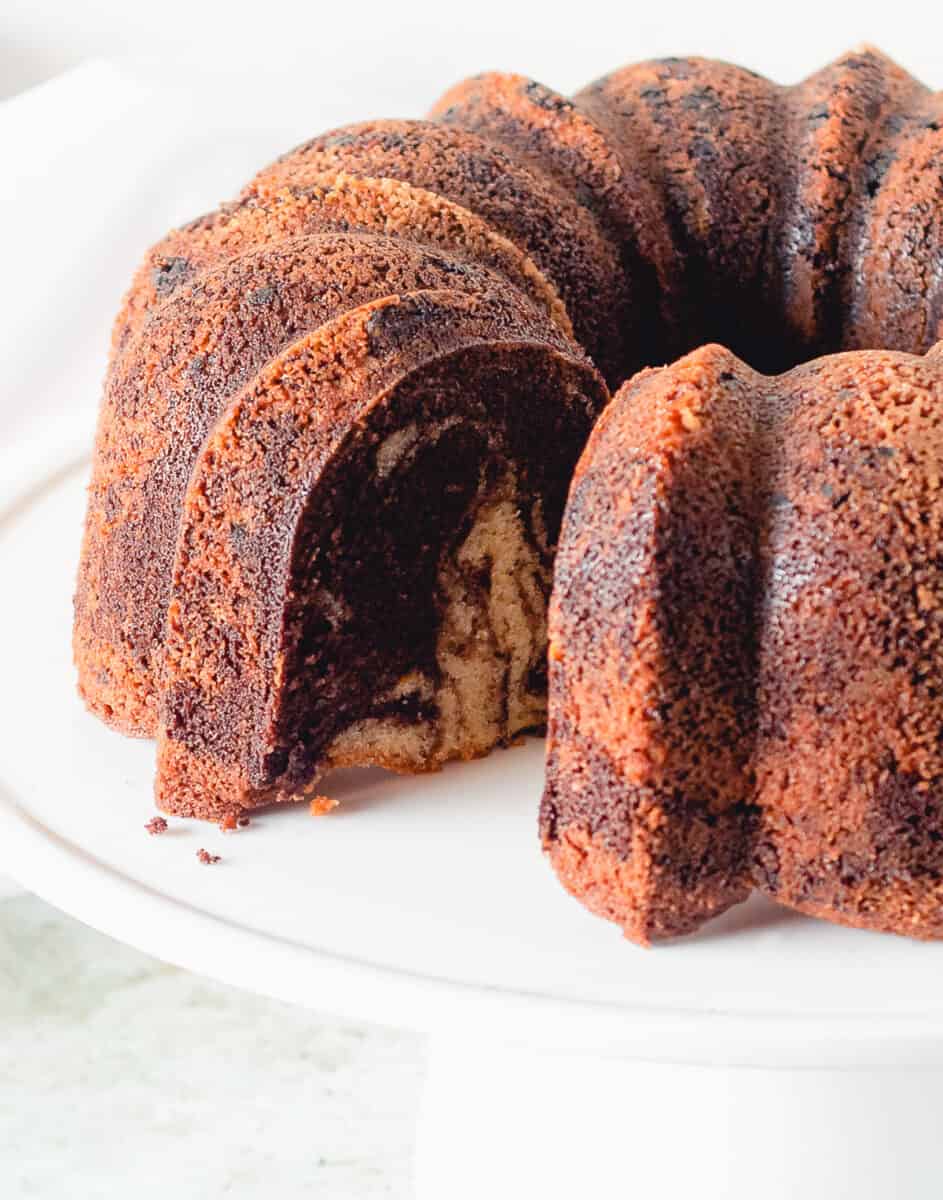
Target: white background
x=396 y=54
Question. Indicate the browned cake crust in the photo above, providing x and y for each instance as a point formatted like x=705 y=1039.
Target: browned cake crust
x=745 y=689
x=542 y=128
x=849 y=761
x=806 y=219
x=338 y=203
x=709 y=136
x=651 y=663
x=842 y=123
x=527 y=207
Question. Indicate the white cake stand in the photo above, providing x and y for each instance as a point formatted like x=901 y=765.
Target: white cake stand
x=768 y=1056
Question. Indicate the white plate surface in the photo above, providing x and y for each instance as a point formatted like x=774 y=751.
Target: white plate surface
x=423 y=902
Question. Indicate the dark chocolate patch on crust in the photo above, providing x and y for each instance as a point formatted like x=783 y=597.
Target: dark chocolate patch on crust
x=169 y=273
x=544 y=98
x=393 y=328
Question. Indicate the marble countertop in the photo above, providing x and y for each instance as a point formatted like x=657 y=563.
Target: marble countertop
x=9 y=888
x=128 y=1077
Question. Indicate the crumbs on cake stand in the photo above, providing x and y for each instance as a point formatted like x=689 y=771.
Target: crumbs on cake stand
x=231 y=822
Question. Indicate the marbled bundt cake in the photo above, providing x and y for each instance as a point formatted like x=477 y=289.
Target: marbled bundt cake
x=342 y=411
x=746 y=677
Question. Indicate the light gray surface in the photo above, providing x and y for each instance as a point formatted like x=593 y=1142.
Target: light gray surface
x=120 y=1076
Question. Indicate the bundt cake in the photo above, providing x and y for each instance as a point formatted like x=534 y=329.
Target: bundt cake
x=746 y=678
x=342 y=411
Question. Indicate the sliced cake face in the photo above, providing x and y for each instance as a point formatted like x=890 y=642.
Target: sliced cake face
x=745 y=688
x=529 y=208
x=365 y=552
x=208 y=340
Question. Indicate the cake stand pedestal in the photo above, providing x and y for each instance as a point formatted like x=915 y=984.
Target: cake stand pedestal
x=768 y=1056
x=506 y=1121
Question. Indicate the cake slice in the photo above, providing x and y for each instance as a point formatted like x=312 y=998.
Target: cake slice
x=365 y=551
x=164 y=393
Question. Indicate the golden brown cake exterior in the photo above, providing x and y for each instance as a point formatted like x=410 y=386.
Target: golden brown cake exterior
x=783 y=222
x=745 y=689
x=842 y=124
x=710 y=138
x=525 y=205
x=540 y=127
x=335 y=203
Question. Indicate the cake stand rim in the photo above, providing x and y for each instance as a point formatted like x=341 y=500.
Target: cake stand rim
x=170 y=929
